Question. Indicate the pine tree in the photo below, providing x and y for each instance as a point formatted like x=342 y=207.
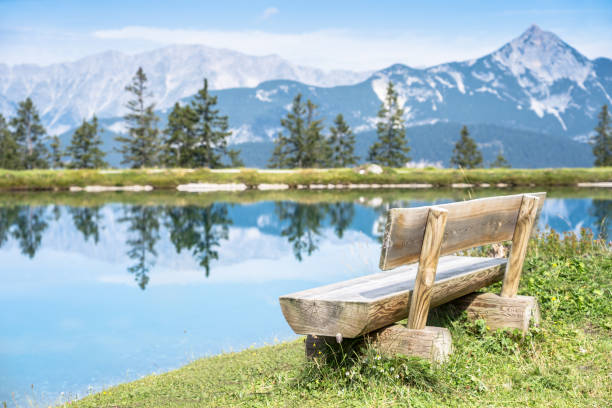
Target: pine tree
x=500 y=161
x=342 y=143
x=84 y=149
x=602 y=148
x=288 y=149
x=56 y=153
x=180 y=137
x=280 y=154
x=29 y=132
x=466 y=154
x=391 y=149
x=304 y=144
x=140 y=148
x=211 y=131
x=9 y=150
x=317 y=151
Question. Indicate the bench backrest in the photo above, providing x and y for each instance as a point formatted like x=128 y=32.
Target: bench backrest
x=469 y=224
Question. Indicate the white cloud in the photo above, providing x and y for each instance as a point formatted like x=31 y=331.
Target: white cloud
x=269 y=12
x=327 y=48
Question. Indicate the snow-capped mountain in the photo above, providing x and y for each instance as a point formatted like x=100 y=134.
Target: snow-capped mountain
x=533 y=98
x=68 y=92
x=536 y=82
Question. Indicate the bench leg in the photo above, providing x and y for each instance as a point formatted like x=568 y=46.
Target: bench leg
x=501 y=312
x=431 y=343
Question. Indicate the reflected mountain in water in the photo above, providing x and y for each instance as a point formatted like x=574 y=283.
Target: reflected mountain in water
x=139 y=231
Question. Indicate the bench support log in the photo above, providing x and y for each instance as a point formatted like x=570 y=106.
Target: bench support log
x=501 y=312
x=428 y=263
x=431 y=343
x=520 y=239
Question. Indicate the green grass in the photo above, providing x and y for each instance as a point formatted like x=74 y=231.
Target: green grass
x=566 y=362
x=170 y=178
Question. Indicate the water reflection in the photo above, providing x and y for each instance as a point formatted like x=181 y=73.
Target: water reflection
x=25 y=224
x=143 y=230
x=86 y=220
x=202 y=230
x=602 y=211
x=199 y=230
x=302 y=223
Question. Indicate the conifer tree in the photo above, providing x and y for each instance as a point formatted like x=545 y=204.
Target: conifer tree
x=84 y=149
x=180 y=137
x=317 y=151
x=29 y=132
x=466 y=154
x=391 y=148
x=304 y=144
x=140 y=148
x=211 y=131
x=9 y=150
x=288 y=148
x=342 y=143
x=56 y=153
x=602 y=148
x=500 y=161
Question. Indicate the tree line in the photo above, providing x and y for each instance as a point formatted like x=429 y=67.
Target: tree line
x=197 y=135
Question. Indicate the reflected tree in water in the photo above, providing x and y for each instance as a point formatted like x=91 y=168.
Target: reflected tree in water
x=199 y=230
x=602 y=211
x=56 y=212
x=29 y=226
x=302 y=225
x=340 y=216
x=8 y=215
x=143 y=230
x=87 y=221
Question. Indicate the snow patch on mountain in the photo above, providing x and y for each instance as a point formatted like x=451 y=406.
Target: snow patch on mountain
x=118 y=127
x=545 y=57
x=243 y=134
x=67 y=93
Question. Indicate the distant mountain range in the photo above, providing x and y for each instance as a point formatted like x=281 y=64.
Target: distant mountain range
x=536 y=98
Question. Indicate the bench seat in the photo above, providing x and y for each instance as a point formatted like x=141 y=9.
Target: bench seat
x=358 y=306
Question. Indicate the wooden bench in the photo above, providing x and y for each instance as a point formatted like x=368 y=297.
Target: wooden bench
x=370 y=305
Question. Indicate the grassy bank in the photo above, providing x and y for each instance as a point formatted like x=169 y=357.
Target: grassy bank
x=564 y=363
x=171 y=178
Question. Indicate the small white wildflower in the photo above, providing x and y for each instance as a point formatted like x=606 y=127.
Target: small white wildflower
x=347 y=373
x=396 y=375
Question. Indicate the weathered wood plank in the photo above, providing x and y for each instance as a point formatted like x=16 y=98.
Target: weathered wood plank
x=428 y=263
x=469 y=224
x=501 y=312
x=358 y=306
x=520 y=239
x=431 y=343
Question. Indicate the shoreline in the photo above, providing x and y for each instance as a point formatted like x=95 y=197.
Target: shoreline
x=218 y=180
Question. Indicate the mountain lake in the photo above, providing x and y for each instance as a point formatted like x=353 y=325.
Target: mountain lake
x=99 y=289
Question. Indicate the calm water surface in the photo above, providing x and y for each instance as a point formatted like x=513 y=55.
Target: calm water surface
x=94 y=293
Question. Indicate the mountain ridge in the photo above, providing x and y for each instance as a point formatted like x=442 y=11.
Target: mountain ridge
x=535 y=84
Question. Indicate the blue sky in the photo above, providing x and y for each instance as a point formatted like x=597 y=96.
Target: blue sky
x=356 y=35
